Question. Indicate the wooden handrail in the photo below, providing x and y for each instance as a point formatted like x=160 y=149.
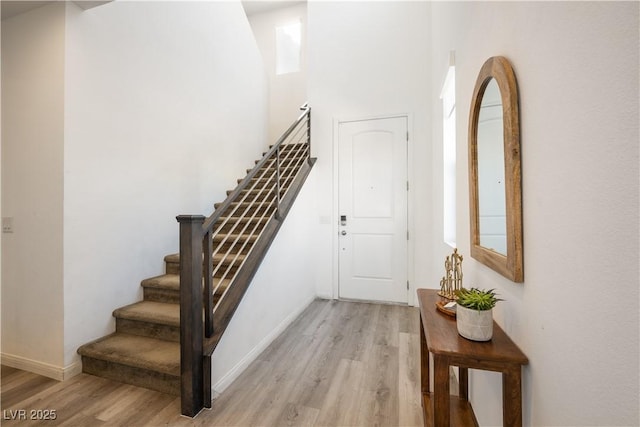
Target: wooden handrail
x=201 y=321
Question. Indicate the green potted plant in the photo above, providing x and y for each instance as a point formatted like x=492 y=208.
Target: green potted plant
x=474 y=313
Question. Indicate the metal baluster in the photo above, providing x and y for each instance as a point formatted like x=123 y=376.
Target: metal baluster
x=278 y=183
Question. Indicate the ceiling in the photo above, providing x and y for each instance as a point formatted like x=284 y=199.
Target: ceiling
x=251 y=7
x=13 y=8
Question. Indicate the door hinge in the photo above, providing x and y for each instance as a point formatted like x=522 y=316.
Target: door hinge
x=407 y=285
x=407 y=136
x=407 y=234
x=407 y=185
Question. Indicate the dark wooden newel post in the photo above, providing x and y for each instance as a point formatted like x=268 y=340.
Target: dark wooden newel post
x=191 y=324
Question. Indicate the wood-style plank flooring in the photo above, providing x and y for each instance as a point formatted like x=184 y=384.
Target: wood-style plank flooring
x=339 y=364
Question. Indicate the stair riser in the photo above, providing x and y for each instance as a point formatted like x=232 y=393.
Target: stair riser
x=171 y=267
x=285 y=168
x=288 y=150
x=147 y=329
x=255 y=197
x=235 y=247
x=286 y=175
x=285 y=165
x=258 y=209
x=161 y=295
x=266 y=185
x=234 y=237
x=231 y=227
x=249 y=195
x=223 y=271
x=289 y=147
x=255 y=193
x=286 y=160
x=263 y=191
x=174 y=268
x=173 y=297
x=161 y=382
x=270 y=183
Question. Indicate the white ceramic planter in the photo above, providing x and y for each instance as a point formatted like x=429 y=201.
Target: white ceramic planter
x=473 y=324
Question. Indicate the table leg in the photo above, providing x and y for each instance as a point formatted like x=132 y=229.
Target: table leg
x=424 y=360
x=441 y=391
x=512 y=397
x=463 y=383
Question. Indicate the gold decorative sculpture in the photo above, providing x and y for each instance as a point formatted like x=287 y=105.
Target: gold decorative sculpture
x=452 y=280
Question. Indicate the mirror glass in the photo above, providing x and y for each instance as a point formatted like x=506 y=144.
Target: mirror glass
x=492 y=214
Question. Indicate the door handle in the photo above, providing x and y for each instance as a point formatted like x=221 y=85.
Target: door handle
x=343 y=232
x=343 y=220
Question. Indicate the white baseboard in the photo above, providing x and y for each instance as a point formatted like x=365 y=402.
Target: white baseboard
x=244 y=363
x=45 y=369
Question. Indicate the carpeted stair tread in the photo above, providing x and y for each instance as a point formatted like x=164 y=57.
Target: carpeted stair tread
x=255 y=192
x=136 y=351
x=243 y=206
x=172 y=281
x=261 y=181
x=244 y=220
x=227 y=258
x=286 y=166
x=175 y=258
x=164 y=281
x=172 y=258
x=235 y=237
x=152 y=312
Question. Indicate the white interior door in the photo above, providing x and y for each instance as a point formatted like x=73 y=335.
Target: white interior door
x=372 y=175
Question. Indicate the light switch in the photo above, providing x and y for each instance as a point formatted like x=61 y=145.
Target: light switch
x=7 y=224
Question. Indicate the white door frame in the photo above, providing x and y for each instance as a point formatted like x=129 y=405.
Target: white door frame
x=335 y=217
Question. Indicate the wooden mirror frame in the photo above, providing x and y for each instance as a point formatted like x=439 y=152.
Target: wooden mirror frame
x=511 y=265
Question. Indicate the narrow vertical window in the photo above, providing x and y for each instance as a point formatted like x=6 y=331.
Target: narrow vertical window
x=448 y=97
x=288 y=46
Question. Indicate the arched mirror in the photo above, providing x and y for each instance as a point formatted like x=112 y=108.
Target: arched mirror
x=494 y=170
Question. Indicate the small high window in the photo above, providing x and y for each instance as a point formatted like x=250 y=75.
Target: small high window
x=288 y=46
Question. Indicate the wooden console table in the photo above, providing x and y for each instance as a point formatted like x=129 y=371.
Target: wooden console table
x=439 y=336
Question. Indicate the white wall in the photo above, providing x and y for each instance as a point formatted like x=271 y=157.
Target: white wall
x=153 y=109
x=0 y=190
x=576 y=314
x=281 y=289
x=165 y=108
x=287 y=92
x=32 y=188
x=140 y=111
x=369 y=59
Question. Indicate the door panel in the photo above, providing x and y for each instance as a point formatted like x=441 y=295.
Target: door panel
x=372 y=173
x=372 y=256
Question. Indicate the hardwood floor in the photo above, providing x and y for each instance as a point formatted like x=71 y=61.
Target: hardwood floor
x=339 y=364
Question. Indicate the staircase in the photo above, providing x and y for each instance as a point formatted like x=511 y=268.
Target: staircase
x=145 y=350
